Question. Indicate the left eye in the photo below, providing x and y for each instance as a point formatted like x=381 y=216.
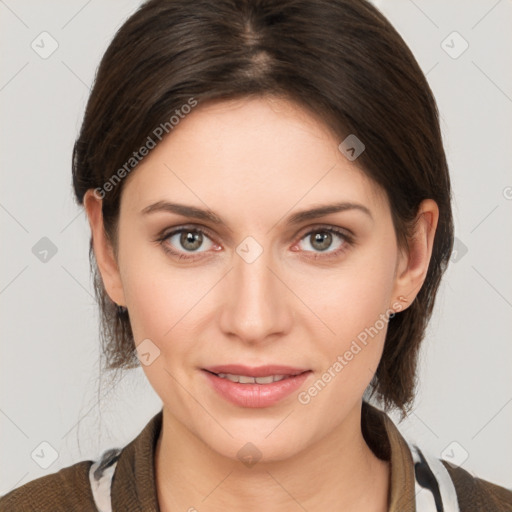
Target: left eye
x=322 y=239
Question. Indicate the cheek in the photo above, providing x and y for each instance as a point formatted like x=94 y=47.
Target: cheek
x=354 y=297
x=150 y=291
x=355 y=304
x=157 y=303
x=168 y=306
x=158 y=295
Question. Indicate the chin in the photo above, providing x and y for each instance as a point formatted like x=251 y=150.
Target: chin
x=254 y=445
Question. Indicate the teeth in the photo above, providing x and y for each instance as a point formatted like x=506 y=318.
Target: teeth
x=264 y=380
x=244 y=379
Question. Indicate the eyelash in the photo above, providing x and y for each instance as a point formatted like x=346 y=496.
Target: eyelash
x=347 y=240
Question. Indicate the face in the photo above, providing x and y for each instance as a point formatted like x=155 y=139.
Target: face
x=257 y=284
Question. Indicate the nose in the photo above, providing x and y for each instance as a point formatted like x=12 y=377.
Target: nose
x=258 y=305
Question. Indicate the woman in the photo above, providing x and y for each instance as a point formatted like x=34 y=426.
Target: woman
x=269 y=203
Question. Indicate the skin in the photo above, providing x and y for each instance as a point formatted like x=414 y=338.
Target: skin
x=254 y=162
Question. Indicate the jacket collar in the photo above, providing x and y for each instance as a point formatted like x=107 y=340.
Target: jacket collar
x=386 y=441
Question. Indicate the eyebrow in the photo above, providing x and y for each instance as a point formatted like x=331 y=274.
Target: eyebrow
x=295 y=218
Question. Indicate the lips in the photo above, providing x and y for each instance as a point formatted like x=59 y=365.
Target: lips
x=239 y=388
x=256 y=371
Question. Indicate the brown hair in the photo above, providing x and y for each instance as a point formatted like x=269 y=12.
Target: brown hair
x=339 y=59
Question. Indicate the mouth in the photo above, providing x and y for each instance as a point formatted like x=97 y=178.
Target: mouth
x=257 y=386
x=255 y=374
x=246 y=379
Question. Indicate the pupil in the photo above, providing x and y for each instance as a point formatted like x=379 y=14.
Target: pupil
x=324 y=239
x=190 y=240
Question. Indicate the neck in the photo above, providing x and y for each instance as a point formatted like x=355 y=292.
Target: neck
x=333 y=474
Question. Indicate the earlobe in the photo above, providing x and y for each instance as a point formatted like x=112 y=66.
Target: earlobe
x=414 y=263
x=103 y=249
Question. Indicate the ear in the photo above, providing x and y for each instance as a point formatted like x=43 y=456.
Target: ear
x=412 y=265
x=103 y=249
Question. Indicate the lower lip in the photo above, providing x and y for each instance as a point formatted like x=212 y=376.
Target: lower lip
x=256 y=395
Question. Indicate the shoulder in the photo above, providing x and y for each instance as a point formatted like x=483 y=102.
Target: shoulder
x=476 y=494
x=65 y=490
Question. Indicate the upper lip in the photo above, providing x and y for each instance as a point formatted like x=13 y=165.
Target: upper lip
x=256 y=371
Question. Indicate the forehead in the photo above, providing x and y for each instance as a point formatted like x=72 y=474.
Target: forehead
x=263 y=150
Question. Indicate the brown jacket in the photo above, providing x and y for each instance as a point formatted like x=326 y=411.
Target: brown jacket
x=133 y=486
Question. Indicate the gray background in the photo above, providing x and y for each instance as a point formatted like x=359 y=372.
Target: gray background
x=49 y=337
